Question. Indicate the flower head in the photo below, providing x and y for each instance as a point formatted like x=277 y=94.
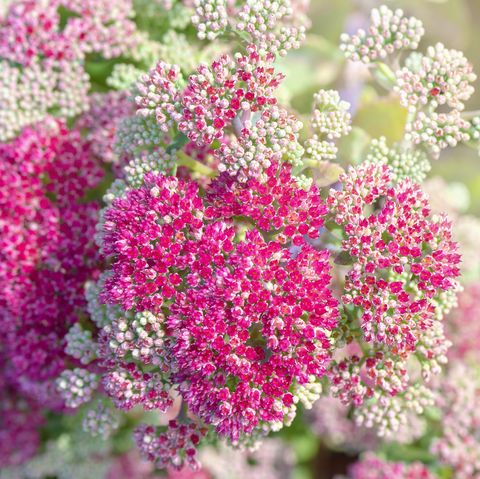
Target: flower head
x=215 y=96
x=389 y=31
x=249 y=329
x=175 y=447
x=403 y=260
x=373 y=467
x=276 y=204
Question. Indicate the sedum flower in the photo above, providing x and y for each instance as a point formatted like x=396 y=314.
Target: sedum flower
x=128 y=386
x=276 y=205
x=211 y=18
x=80 y=344
x=273 y=26
x=440 y=77
x=330 y=120
x=241 y=337
x=157 y=161
x=463 y=326
x=389 y=32
x=47 y=253
x=372 y=467
x=43 y=61
x=175 y=447
x=159 y=95
x=100 y=421
x=389 y=234
x=230 y=88
x=330 y=116
x=272 y=138
x=458 y=444
x=76 y=386
x=403 y=163
x=438 y=131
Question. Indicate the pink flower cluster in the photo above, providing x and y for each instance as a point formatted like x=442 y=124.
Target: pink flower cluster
x=373 y=467
x=402 y=260
x=242 y=337
x=32 y=29
x=101 y=121
x=458 y=445
x=275 y=204
x=175 y=448
x=47 y=250
x=215 y=95
x=20 y=418
x=247 y=317
x=46 y=256
x=219 y=100
x=463 y=325
x=43 y=60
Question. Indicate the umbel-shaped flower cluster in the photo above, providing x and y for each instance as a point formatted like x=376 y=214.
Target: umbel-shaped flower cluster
x=43 y=50
x=46 y=256
x=275 y=26
x=244 y=321
x=402 y=260
x=220 y=291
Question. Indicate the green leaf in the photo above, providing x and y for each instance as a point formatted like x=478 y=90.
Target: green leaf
x=353 y=146
x=178 y=143
x=382 y=117
x=302 y=472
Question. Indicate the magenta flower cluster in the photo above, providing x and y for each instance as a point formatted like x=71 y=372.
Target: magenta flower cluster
x=247 y=318
x=43 y=57
x=373 y=467
x=46 y=256
x=217 y=283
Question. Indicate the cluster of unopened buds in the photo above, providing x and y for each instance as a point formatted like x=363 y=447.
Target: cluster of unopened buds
x=171 y=247
x=276 y=26
x=433 y=86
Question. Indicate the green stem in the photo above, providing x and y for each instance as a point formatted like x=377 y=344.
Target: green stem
x=384 y=75
x=194 y=165
x=178 y=143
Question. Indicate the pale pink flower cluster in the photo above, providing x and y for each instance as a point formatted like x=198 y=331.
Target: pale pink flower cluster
x=275 y=26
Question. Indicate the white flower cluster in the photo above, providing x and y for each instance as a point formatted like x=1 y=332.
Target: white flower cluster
x=403 y=163
x=273 y=25
x=210 y=18
x=28 y=95
x=80 y=344
x=440 y=77
x=389 y=31
x=389 y=414
x=330 y=120
x=100 y=421
x=76 y=386
x=157 y=161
